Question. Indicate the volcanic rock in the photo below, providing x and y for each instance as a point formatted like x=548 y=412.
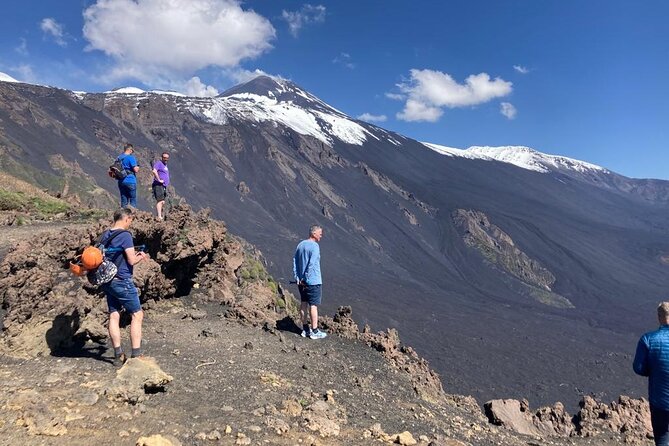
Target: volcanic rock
x=137 y=377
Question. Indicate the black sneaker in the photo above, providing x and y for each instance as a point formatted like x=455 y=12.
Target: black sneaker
x=120 y=360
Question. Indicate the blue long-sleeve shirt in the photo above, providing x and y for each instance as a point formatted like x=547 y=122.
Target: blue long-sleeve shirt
x=307 y=263
x=652 y=360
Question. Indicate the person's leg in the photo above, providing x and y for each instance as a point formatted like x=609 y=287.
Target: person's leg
x=660 y=422
x=314 y=302
x=159 y=209
x=132 y=195
x=111 y=292
x=115 y=330
x=313 y=312
x=304 y=312
x=136 y=333
x=123 y=193
x=130 y=301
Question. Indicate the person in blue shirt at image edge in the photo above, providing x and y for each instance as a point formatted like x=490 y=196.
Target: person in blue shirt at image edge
x=652 y=360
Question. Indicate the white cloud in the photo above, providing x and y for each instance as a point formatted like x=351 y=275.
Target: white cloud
x=25 y=73
x=428 y=91
x=395 y=96
x=508 y=110
x=50 y=26
x=345 y=60
x=195 y=87
x=418 y=111
x=22 y=48
x=306 y=15
x=241 y=75
x=372 y=118
x=156 y=41
x=521 y=69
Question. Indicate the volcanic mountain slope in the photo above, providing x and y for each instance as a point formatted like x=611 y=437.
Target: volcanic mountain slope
x=491 y=270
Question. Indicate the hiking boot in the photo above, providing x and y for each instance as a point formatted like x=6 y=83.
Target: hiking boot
x=318 y=334
x=120 y=360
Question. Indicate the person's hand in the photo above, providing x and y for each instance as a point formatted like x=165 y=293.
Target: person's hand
x=161 y=181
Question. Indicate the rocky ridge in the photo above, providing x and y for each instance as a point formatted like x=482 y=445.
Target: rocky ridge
x=207 y=286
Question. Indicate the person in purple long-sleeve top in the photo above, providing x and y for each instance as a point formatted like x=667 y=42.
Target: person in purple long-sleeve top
x=652 y=360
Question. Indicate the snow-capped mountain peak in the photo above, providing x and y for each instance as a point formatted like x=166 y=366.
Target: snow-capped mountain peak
x=267 y=99
x=4 y=77
x=521 y=156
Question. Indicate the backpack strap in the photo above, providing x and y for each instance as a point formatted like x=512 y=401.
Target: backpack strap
x=120 y=159
x=112 y=236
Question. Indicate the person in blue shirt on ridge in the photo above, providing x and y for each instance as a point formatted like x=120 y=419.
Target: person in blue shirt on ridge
x=128 y=185
x=652 y=360
x=307 y=274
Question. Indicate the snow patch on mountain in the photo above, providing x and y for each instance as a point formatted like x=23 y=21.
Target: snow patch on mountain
x=4 y=77
x=322 y=125
x=521 y=156
x=126 y=90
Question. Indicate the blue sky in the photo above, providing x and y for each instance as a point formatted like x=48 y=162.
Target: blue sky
x=585 y=79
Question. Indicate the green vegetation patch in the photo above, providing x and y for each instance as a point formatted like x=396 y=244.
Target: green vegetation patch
x=551 y=299
x=20 y=201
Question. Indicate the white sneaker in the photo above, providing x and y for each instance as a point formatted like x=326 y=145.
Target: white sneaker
x=318 y=334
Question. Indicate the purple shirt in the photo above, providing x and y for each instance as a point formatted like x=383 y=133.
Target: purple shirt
x=163 y=173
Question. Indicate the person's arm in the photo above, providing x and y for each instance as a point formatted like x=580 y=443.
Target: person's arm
x=131 y=256
x=640 y=364
x=134 y=257
x=133 y=164
x=155 y=174
x=297 y=279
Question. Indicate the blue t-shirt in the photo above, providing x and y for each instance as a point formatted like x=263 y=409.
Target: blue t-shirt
x=307 y=263
x=115 y=251
x=128 y=162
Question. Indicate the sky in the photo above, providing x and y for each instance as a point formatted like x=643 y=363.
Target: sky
x=587 y=79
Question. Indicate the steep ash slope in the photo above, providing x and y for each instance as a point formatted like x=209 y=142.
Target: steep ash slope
x=270 y=159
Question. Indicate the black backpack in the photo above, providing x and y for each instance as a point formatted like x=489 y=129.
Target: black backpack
x=117 y=170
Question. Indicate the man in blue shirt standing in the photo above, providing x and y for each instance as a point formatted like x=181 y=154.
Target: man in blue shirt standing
x=652 y=360
x=121 y=291
x=307 y=274
x=128 y=185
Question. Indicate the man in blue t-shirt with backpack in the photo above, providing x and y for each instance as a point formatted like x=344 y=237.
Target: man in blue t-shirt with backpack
x=126 y=177
x=121 y=291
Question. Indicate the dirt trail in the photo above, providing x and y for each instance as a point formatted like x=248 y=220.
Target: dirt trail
x=11 y=235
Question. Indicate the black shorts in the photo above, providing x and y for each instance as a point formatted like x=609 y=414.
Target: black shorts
x=311 y=294
x=159 y=192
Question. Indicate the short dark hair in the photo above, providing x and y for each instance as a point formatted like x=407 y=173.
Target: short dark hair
x=128 y=146
x=165 y=153
x=120 y=214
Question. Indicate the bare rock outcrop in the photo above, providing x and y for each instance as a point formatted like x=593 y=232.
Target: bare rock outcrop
x=426 y=381
x=48 y=309
x=628 y=417
x=515 y=415
x=498 y=248
x=137 y=377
